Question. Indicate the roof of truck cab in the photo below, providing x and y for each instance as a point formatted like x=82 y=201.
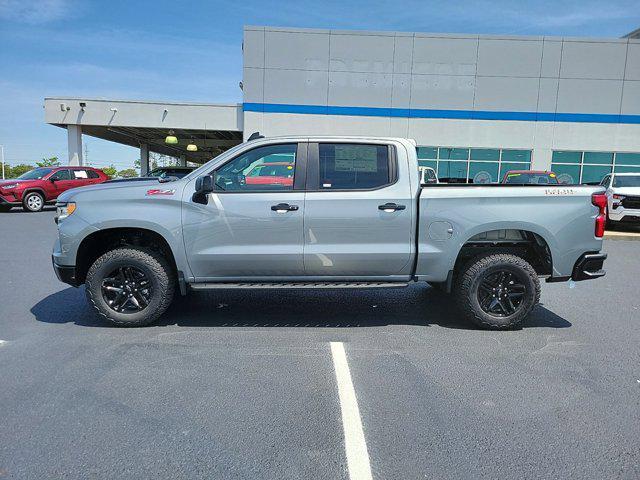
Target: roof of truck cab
x=336 y=137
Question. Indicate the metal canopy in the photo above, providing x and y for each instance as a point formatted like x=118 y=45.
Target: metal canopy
x=214 y=128
x=210 y=143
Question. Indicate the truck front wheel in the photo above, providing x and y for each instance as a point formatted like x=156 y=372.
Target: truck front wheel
x=498 y=291
x=130 y=286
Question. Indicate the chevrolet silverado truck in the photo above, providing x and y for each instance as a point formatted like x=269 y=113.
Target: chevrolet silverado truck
x=354 y=216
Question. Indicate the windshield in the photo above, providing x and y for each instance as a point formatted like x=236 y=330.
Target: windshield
x=532 y=178
x=627 y=181
x=35 y=174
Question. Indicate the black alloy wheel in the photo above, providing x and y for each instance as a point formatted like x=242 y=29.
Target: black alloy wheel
x=500 y=293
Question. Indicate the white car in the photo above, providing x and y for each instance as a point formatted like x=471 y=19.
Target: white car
x=623 y=196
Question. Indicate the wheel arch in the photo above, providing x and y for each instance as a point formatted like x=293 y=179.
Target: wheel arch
x=531 y=245
x=29 y=190
x=98 y=243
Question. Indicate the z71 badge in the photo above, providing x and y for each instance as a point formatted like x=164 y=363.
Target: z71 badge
x=160 y=191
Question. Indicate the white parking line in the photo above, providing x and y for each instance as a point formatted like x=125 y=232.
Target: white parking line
x=354 y=442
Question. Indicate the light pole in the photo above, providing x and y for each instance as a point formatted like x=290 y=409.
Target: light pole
x=2 y=153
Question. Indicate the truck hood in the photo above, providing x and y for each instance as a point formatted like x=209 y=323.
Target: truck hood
x=626 y=191
x=69 y=195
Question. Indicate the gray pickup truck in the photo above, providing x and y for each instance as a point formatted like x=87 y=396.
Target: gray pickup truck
x=325 y=212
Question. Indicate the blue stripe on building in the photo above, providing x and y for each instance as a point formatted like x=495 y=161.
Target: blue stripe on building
x=447 y=114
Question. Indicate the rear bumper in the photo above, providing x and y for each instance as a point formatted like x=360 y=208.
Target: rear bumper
x=65 y=273
x=588 y=267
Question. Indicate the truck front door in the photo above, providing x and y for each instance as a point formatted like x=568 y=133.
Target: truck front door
x=250 y=228
x=359 y=211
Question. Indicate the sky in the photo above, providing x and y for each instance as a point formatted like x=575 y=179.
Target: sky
x=192 y=51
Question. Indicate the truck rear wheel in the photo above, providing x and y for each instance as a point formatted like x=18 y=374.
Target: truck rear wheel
x=130 y=286
x=498 y=291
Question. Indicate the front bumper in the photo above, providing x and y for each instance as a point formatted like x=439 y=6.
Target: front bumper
x=65 y=273
x=621 y=214
x=6 y=199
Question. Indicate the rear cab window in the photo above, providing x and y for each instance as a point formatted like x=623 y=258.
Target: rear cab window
x=353 y=166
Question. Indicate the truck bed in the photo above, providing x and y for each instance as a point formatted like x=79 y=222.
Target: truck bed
x=451 y=215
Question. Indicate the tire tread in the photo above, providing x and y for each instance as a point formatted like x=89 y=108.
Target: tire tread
x=154 y=261
x=469 y=273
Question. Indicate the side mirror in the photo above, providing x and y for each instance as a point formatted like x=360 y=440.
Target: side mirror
x=204 y=186
x=52 y=179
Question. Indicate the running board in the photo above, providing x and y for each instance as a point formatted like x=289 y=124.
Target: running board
x=230 y=285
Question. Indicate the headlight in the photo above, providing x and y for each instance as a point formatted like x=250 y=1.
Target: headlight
x=10 y=186
x=63 y=210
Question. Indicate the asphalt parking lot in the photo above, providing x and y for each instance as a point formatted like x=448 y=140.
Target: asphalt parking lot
x=242 y=384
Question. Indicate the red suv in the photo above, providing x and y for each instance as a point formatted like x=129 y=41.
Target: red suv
x=39 y=186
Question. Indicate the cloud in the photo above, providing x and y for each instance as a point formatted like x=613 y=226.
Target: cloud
x=34 y=11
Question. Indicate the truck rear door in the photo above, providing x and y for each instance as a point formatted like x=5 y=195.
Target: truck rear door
x=359 y=211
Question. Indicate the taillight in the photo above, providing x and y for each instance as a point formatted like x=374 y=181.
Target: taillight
x=600 y=201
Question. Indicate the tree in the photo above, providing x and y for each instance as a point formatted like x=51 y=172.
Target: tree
x=49 y=162
x=153 y=161
x=17 y=170
x=128 y=173
x=110 y=171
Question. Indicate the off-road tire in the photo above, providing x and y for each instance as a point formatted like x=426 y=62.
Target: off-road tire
x=29 y=206
x=470 y=276
x=152 y=264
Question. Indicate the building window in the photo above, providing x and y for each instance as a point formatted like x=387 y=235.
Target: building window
x=473 y=165
x=590 y=167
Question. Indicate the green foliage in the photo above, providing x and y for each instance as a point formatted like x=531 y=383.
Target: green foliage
x=128 y=173
x=111 y=171
x=49 y=162
x=16 y=170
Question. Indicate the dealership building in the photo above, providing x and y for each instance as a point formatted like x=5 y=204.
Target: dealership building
x=476 y=105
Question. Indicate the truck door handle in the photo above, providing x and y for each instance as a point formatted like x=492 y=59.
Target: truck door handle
x=391 y=207
x=284 y=207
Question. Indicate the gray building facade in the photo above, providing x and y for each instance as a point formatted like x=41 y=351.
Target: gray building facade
x=476 y=105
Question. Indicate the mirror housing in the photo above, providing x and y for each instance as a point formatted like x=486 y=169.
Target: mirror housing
x=204 y=186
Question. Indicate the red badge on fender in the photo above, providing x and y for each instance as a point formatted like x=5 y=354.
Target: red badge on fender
x=160 y=191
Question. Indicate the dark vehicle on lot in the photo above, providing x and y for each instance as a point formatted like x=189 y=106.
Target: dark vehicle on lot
x=530 y=177
x=163 y=172
x=43 y=185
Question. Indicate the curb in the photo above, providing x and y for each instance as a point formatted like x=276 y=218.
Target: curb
x=622 y=236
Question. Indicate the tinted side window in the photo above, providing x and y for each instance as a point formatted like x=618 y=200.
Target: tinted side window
x=346 y=166
x=264 y=168
x=61 y=175
x=92 y=174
